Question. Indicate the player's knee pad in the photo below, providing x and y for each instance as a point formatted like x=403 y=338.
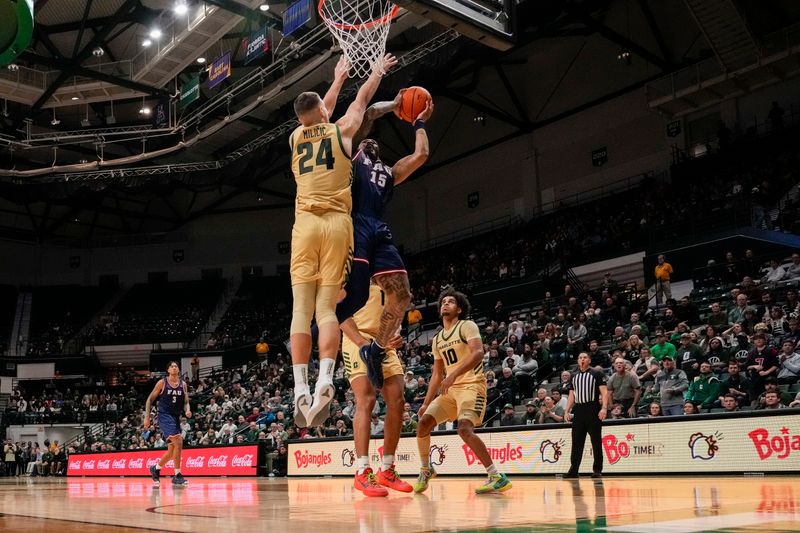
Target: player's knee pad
x=302 y=307
x=357 y=292
x=326 y=304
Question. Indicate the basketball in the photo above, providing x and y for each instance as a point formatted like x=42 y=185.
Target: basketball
x=414 y=101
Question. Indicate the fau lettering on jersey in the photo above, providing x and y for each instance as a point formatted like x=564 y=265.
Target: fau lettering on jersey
x=373 y=186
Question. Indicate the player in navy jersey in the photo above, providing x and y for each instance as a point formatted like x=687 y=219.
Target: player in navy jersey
x=375 y=252
x=173 y=397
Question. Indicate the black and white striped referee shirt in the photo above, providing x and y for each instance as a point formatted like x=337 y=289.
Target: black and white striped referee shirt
x=586 y=385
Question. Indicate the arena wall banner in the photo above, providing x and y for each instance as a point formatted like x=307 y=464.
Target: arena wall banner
x=213 y=461
x=758 y=442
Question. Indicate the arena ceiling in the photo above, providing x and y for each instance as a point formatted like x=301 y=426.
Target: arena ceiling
x=570 y=55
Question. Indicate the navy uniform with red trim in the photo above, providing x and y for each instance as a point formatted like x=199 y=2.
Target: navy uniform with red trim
x=374 y=250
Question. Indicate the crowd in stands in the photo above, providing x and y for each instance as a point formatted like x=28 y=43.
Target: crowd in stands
x=51 y=406
x=158 y=312
x=28 y=458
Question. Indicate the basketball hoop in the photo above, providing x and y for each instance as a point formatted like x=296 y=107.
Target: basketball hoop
x=361 y=28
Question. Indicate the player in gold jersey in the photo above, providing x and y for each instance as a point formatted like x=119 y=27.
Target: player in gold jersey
x=458 y=372
x=367 y=321
x=322 y=235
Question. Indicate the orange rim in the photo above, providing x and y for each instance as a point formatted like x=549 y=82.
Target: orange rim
x=364 y=26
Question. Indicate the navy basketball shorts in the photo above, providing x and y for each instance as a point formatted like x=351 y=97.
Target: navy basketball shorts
x=375 y=246
x=169 y=425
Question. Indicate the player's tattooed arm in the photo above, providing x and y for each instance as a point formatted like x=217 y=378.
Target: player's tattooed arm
x=398 y=298
x=373 y=113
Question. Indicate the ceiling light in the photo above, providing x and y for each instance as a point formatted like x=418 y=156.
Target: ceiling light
x=98 y=51
x=264 y=7
x=75 y=98
x=55 y=122
x=144 y=110
x=180 y=7
x=146 y=43
x=155 y=33
x=13 y=67
x=201 y=60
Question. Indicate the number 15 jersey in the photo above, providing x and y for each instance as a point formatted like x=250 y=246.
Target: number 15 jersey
x=452 y=347
x=322 y=170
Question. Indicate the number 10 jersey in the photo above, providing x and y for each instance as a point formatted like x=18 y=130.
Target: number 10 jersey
x=452 y=347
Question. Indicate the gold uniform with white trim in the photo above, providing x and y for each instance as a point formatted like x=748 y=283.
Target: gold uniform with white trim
x=322 y=235
x=368 y=322
x=466 y=399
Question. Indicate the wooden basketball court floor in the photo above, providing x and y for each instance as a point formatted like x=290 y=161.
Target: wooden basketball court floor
x=617 y=504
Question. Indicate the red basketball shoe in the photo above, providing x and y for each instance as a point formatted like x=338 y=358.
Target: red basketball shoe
x=368 y=484
x=389 y=478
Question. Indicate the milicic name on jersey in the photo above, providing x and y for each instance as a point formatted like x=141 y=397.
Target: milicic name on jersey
x=314 y=131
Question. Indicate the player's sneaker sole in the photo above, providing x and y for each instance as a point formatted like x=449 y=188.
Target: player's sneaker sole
x=302 y=405
x=179 y=481
x=320 y=411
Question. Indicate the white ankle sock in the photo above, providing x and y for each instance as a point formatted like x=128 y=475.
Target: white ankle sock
x=300 y=379
x=362 y=463
x=326 y=371
x=387 y=462
x=491 y=470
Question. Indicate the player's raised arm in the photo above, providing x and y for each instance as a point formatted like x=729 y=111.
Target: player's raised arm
x=339 y=77
x=352 y=119
x=407 y=165
x=150 y=399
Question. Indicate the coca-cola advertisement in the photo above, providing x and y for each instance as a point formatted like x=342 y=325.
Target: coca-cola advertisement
x=216 y=461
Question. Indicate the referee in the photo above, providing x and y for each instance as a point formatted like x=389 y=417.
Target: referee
x=587 y=390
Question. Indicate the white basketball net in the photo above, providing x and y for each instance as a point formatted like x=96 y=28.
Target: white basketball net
x=361 y=28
